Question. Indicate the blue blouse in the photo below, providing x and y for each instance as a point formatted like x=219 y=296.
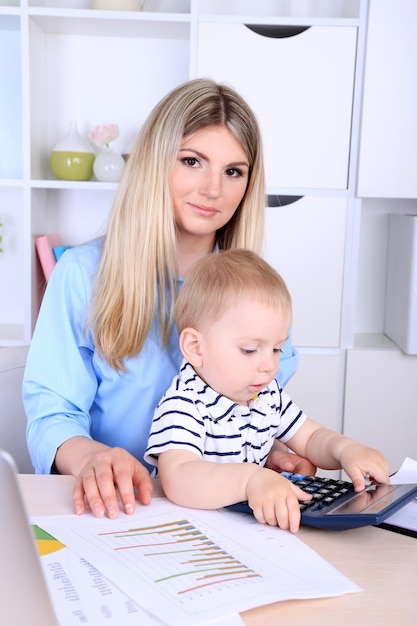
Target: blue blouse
x=69 y=390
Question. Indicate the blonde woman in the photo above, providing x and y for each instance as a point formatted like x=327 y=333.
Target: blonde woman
x=105 y=346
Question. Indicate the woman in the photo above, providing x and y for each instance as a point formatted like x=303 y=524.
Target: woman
x=105 y=346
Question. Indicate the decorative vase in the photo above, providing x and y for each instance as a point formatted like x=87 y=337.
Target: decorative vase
x=72 y=157
x=118 y=5
x=108 y=166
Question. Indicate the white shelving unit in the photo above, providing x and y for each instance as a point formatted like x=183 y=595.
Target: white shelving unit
x=60 y=61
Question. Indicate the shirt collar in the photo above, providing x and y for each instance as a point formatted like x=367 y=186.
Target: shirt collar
x=218 y=405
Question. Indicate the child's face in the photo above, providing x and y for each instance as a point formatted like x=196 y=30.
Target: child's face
x=240 y=351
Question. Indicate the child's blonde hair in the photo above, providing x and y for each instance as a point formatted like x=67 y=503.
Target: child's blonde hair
x=218 y=281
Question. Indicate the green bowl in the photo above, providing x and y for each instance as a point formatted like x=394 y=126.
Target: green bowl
x=72 y=165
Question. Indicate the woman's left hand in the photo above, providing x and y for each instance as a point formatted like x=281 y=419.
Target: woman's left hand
x=280 y=460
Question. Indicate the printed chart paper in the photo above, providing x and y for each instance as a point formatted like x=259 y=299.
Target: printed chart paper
x=80 y=593
x=187 y=567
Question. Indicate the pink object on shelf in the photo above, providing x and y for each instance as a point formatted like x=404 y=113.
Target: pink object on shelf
x=44 y=247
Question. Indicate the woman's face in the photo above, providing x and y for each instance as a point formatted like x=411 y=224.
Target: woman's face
x=208 y=181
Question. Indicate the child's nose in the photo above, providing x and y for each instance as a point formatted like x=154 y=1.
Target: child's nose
x=269 y=363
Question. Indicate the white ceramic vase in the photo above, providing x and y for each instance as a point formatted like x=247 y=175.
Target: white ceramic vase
x=108 y=166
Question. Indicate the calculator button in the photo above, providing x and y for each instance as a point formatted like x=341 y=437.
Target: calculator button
x=327 y=501
x=310 y=489
x=317 y=484
x=306 y=505
x=297 y=477
x=318 y=496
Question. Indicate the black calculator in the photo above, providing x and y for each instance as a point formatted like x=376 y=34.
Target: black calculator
x=336 y=506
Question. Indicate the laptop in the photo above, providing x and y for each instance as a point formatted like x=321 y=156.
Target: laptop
x=24 y=594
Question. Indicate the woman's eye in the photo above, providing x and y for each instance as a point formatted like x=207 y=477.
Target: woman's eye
x=190 y=161
x=233 y=171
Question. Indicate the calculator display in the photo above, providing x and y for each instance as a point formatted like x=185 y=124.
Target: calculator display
x=374 y=499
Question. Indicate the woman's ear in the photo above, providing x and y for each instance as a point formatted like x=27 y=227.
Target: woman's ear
x=190 y=344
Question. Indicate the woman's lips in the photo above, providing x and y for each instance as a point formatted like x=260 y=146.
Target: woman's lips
x=206 y=211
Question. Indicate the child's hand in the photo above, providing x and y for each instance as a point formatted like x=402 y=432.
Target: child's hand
x=274 y=499
x=359 y=462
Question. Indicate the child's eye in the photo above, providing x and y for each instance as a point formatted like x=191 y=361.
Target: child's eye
x=277 y=350
x=248 y=350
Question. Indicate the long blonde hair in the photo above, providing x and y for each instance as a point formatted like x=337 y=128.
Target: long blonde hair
x=138 y=269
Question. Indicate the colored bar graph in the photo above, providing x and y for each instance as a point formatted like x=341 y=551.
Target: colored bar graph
x=179 y=557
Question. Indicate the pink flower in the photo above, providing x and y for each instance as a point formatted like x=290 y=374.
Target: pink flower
x=102 y=134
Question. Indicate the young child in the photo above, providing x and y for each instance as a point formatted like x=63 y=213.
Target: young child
x=214 y=427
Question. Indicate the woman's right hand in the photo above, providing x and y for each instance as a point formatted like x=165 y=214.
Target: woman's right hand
x=103 y=470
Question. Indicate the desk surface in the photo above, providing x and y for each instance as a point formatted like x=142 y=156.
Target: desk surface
x=382 y=563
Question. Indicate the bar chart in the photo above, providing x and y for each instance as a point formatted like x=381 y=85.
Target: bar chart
x=180 y=558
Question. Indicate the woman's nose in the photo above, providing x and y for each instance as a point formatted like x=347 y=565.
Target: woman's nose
x=211 y=184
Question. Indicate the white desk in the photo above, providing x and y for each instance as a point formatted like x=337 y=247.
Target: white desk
x=382 y=563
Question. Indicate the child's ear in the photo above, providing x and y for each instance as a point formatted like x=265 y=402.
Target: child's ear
x=190 y=344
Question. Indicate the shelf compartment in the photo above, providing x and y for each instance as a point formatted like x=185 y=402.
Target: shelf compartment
x=76 y=77
x=12 y=265
x=11 y=148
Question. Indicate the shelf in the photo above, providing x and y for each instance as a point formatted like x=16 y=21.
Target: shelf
x=112 y=23
x=73 y=185
x=11 y=182
x=287 y=9
x=9 y=10
x=373 y=341
x=278 y=20
x=153 y=6
x=11 y=335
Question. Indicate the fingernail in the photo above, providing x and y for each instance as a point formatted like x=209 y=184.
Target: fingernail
x=98 y=510
x=112 y=512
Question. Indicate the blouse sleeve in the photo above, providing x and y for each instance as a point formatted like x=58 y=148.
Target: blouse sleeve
x=60 y=383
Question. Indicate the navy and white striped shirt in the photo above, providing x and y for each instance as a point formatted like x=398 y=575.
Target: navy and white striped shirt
x=193 y=416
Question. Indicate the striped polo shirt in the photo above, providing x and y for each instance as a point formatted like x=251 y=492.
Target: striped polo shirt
x=192 y=416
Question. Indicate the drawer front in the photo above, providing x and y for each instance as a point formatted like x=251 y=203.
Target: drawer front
x=305 y=242
x=300 y=87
